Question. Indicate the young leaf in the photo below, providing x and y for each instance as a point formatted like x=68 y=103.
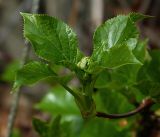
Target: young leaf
x=124 y=75
x=32 y=72
x=138 y=16
x=52 y=39
x=127 y=74
x=115 y=40
x=117 y=56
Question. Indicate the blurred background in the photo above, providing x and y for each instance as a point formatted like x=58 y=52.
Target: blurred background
x=83 y=16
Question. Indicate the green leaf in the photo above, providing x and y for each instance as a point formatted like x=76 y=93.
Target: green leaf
x=52 y=39
x=118 y=101
x=58 y=101
x=64 y=79
x=32 y=72
x=154 y=66
x=116 y=57
x=41 y=127
x=150 y=88
x=115 y=40
x=148 y=82
x=125 y=75
x=72 y=126
x=140 y=51
x=138 y=16
x=104 y=128
x=55 y=127
x=104 y=78
x=10 y=71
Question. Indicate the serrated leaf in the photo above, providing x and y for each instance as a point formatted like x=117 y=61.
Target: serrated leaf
x=125 y=75
x=41 y=127
x=117 y=57
x=115 y=40
x=138 y=16
x=32 y=72
x=52 y=39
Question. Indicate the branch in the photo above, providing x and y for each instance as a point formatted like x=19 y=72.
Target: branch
x=16 y=97
x=145 y=104
x=73 y=13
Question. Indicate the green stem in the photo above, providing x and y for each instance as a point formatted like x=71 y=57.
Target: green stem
x=86 y=103
x=70 y=90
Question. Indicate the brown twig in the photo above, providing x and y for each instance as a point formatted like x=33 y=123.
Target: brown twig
x=145 y=103
x=16 y=97
x=73 y=13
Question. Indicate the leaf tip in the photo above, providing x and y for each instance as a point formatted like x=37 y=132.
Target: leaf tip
x=23 y=14
x=138 y=16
